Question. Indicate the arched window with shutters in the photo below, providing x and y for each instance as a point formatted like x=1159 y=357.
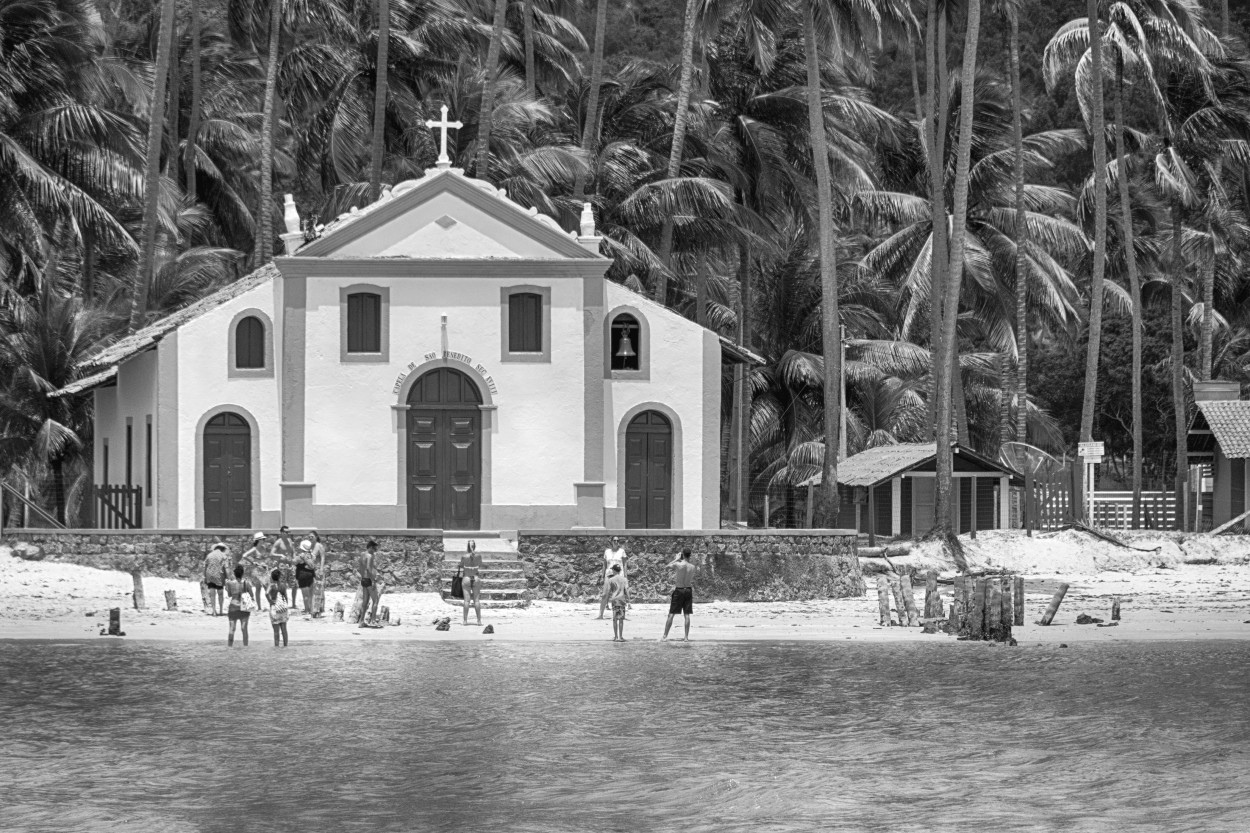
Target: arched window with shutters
x=364 y=323
x=251 y=345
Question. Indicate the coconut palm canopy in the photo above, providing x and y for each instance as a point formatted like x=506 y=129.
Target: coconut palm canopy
x=781 y=171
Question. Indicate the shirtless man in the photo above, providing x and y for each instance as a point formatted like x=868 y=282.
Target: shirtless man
x=367 y=570
x=470 y=569
x=683 y=592
x=619 y=596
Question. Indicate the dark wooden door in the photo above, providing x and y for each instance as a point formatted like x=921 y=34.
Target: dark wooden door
x=444 y=452
x=649 y=472
x=227 y=473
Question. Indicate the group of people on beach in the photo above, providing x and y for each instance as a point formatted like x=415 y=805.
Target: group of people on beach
x=253 y=574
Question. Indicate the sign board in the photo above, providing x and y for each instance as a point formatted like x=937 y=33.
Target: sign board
x=1087 y=450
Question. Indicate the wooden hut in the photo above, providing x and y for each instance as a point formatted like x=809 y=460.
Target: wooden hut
x=889 y=490
x=1219 y=437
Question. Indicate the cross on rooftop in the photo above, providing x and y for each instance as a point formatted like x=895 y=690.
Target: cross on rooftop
x=444 y=161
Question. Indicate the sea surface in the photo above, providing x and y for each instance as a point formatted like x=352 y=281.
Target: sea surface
x=121 y=736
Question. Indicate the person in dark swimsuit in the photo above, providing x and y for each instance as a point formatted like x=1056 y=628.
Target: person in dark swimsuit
x=367 y=570
x=235 y=589
x=470 y=571
x=305 y=573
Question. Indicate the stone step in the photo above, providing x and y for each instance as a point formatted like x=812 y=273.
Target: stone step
x=489 y=584
x=493 y=598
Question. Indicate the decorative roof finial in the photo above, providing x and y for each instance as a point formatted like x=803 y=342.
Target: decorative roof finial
x=290 y=216
x=588 y=220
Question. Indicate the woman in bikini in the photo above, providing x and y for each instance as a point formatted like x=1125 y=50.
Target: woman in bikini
x=235 y=589
x=470 y=571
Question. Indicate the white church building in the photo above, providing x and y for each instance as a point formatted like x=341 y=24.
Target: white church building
x=441 y=359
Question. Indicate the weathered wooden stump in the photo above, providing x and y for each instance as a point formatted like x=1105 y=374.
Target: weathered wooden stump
x=357 y=605
x=205 y=597
x=883 y=601
x=338 y=611
x=384 y=614
x=137 y=595
x=1017 y=592
x=896 y=587
x=909 y=600
x=1115 y=609
x=171 y=599
x=932 y=603
x=1053 y=607
x=115 y=622
x=976 y=613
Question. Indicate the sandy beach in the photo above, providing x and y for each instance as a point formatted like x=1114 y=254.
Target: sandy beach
x=48 y=600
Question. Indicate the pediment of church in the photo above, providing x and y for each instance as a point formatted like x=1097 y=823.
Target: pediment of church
x=446 y=216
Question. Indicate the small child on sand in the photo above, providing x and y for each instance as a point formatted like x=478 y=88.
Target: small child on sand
x=278 y=610
x=617 y=598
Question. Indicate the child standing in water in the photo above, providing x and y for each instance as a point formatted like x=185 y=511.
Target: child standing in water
x=618 y=596
x=278 y=610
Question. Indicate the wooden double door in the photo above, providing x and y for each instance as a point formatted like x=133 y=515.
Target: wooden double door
x=444 y=452
x=227 y=473
x=649 y=472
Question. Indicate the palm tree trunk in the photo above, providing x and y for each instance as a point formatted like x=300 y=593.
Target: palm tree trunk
x=88 y=263
x=742 y=388
x=193 y=125
x=1208 y=308
x=1134 y=286
x=950 y=295
x=266 y=136
x=1178 y=366
x=700 y=292
x=481 y=167
x=175 y=106
x=831 y=339
x=531 y=82
x=380 y=88
x=678 y=148
x=917 y=98
x=1097 y=136
x=590 y=127
x=938 y=82
x=152 y=170
x=1021 y=240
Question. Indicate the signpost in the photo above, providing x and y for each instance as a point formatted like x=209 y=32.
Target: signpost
x=1091 y=453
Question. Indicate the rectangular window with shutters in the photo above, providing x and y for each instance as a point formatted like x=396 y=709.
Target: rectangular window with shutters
x=147 y=462
x=526 y=323
x=364 y=323
x=105 y=466
x=130 y=429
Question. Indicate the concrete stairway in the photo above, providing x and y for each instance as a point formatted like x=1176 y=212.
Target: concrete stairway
x=502 y=576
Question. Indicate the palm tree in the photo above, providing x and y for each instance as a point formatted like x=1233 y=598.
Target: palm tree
x=531 y=83
x=197 y=95
x=152 y=169
x=950 y=308
x=381 y=65
x=1020 y=238
x=680 y=118
x=265 y=252
x=590 y=125
x=481 y=168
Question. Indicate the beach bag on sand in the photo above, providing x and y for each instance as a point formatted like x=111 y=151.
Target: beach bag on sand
x=457 y=585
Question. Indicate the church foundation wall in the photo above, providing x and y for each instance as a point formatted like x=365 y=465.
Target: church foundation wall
x=735 y=565
x=408 y=561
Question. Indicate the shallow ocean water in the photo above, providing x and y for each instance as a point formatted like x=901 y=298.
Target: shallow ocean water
x=146 y=736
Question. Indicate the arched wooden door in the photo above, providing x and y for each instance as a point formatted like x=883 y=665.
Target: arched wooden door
x=444 y=452
x=227 y=472
x=649 y=472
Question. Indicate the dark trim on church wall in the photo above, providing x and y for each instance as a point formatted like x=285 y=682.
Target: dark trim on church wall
x=711 y=429
x=294 y=323
x=590 y=510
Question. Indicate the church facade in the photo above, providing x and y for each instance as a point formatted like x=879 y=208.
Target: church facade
x=442 y=359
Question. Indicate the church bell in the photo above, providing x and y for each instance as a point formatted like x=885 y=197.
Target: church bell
x=625 y=350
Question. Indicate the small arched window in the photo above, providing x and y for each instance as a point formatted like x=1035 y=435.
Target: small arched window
x=364 y=322
x=625 y=347
x=249 y=344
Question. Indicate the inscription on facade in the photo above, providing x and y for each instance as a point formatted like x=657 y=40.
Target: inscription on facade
x=451 y=356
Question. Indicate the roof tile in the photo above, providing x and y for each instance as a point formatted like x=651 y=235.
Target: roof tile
x=1230 y=422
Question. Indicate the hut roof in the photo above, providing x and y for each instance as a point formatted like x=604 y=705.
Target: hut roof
x=1229 y=420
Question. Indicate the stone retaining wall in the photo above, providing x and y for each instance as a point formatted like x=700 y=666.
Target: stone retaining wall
x=735 y=565
x=408 y=561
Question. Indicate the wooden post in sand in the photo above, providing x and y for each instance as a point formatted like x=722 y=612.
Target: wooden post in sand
x=883 y=601
x=1017 y=592
x=115 y=621
x=909 y=599
x=993 y=608
x=976 y=613
x=171 y=599
x=1007 y=613
x=1053 y=607
x=205 y=597
x=338 y=611
x=1115 y=609
x=384 y=615
x=357 y=606
x=137 y=595
x=932 y=603
x=896 y=587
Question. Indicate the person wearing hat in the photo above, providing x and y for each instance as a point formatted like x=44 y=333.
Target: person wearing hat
x=216 y=566
x=305 y=573
x=249 y=561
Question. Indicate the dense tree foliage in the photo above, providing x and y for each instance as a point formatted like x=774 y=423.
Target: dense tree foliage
x=799 y=167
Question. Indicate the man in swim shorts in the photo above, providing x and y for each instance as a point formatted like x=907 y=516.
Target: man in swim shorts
x=367 y=570
x=683 y=592
x=618 y=597
x=215 y=567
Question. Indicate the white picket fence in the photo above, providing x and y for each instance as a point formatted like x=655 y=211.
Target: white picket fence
x=1114 y=510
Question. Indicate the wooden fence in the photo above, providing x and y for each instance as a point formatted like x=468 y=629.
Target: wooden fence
x=1114 y=510
x=1050 y=502
x=117 y=507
